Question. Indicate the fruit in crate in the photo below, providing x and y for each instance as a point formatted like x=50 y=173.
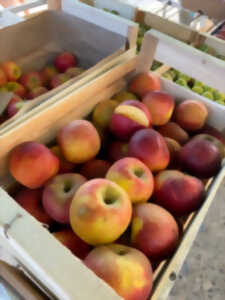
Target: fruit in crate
x=200 y=157
x=129 y=117
x=65 y=61
x=96 y=168
x=32 y=164
x=16 y=88
x=160 y=106
x=125 y=269
x=191 y=114
x=207 y=129
x=150 y=147
x=48 y=73
x=31 y=80
x=179 y=193
x=154 y=231
x=58 y=194
x=174 y=148
x=71 y=241
x=104 y=208
x=103 y=112
x=36 y=92
x=79 y=141
x=12 y=70
x=134 y=177
x=57 y=80
x=3 y=78
x=14 y=105
x=31 y=201
x=124 y=96
x=144 y=83
x=64 y=166
x=74 y=72
x=217 y=142
x=117 y=150
x=174 y=131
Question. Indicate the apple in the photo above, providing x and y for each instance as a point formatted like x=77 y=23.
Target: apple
x=174 y=131
x=12 y=70
x=32 y=164
x=103 y=112
x=16 y=88
x=125 y=269
x=58 y=79
x=124 y=96
x=65 y=61
x=58 y=194
x=96 y=168
x=64 y=165
x=36 y=92
x=31 y=80
x=143 y=83
x=3 y=78
x=48 y=73
x=104 y=208
x=14 y=105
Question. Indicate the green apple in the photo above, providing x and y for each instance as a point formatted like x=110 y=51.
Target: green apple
x=198 y=89
x=208 y=95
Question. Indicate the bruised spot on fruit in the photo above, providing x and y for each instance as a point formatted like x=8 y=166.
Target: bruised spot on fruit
x=133 y=113
x=137 y=225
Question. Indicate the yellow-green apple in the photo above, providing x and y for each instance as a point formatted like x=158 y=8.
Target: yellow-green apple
x=14 y=105
x=70 y=240
x=103 y=112
x=144 y=83
x=38 y=91
x=12 y=70
x=65 y=61
x=95 y=168
x=16 y=88
x=200 y=157
x=64 y=165
x=104 y=208
x=124 y=96
x=154 y=231
x=58 y=194
x=174 y=148
x=150 y=147
x=191 y=114
x=3 y=78
x=125 y=269
x=36 y=157
x=30 y=200
x=134 y=177
x=129 y=117
x=48 y=73
x=117 y=150
x=74 y=72
x=79 y=141
x=31 y=80
x=179 y=193
x=58 y=79
x=174 y=131
x=160 y=105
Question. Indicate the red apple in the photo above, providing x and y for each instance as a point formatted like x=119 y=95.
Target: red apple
x=144 y=83
x=16 y=88
x=14 y=105
x=58 y=79
x=64 y=61
x=12 y=70
x=36 y=92
x=96 y=168
x=31 y=80
x=48 y=73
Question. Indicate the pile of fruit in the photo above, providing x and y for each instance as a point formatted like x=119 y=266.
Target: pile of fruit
x=26 y=87
x=114 y=188
x=207 y=49
x=195 y=85
x=221 y=32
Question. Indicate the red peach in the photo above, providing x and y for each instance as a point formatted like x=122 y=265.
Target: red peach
x=150 y=147
x=32 y=164
x=31 y=80
x=144 y=83
x=117 y=150
x=64 y=61
x=134 y=177
x=174 y=131
x=95 y=168
x=79 y=141
x=16 y=88
x=36 y=92
x=12 y=70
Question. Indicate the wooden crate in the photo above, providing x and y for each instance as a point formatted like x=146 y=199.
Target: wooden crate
x=56 y=269
x=105 y=28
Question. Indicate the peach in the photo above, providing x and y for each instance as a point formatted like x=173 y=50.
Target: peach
x=117 y=150
x=134 y=177
x=179 y=193
x=31 y=80
x=74 y=72
x=124 y=96
x=79 y=141
x=174 y=131
x=125 y=269
x=30 y=200
x=129 y=117
x=160 y=106
x=71 y=241
x=154 y=231
x=104 y=208
x=96 y=168
x=144 y=83
x=3 y=78
x=58 y=194
x=36 y=92
x=174 y=148
x=58 y=79
x=16 y=88
x=191 y=115
x=12 y=70
x=36 y=157
x=64 y=166
x=103 y=112
x=150 y=147
x=200 y=157
x=48 y=73
x=64 y=61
